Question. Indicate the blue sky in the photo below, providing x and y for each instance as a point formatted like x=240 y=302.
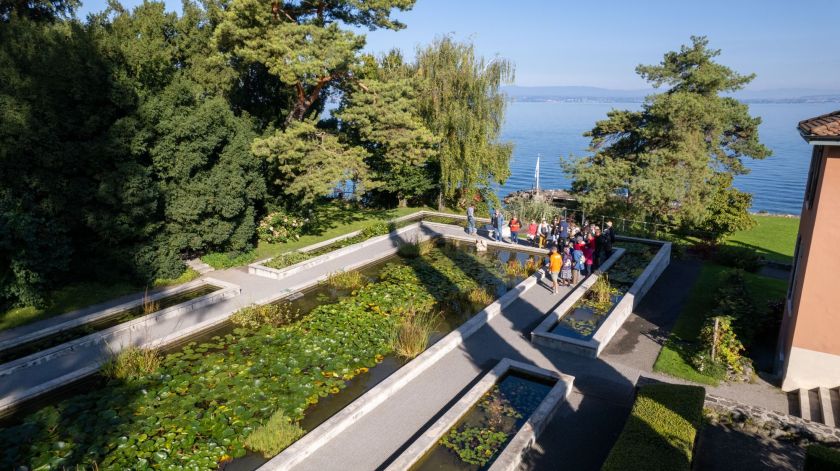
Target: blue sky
x=789 y=44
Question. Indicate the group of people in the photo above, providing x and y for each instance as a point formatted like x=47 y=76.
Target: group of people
x=582 y=251
x=575 y=251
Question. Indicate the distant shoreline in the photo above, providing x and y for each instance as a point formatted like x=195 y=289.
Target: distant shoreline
x=602 y=100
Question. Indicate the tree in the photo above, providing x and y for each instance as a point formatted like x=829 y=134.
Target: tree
x=382 y=117
x=37 y=10
x=300 y=42
x=461 y=103
x=307 y=162
x=668 y=160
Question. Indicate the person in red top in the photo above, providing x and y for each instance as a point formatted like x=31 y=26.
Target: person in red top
x=514 y=229
x=532 y=232
x=589 y=253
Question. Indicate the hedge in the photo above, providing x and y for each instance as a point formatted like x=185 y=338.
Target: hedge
x=822 y=458
x=660 y=432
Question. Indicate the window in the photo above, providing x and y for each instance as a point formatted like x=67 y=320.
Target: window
x=813 y=176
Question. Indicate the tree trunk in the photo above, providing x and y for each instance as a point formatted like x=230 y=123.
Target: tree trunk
x=402 y=202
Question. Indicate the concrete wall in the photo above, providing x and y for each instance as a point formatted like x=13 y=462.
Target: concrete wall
x=809 y=336
x=511 y=457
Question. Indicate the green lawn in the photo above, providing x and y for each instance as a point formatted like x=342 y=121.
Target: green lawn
x=674 y=357
x=774 y=237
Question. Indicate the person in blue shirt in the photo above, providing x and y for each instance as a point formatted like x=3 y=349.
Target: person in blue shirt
x=579 y=265
x=471 y=219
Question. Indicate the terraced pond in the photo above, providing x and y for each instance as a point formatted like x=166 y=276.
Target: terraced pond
x=584 y=318
x=476 y=441
x=117 y=318
x=198 y=409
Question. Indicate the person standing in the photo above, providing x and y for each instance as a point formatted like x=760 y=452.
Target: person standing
x=566 y=269
x=564 y=231
x=471 y=219
x=603 y=246
x=609 y=238
x=588 y=253
x=542 y=232
x=532 y=232
x=579 y=263
x=555 y=264
x=514 y=229
x=500 y=223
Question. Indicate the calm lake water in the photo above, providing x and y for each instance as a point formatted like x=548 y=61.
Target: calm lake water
x=554 y=129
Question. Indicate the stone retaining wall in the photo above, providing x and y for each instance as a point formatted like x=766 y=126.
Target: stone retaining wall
x=771 y=423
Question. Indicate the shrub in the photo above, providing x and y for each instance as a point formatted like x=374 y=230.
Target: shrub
x=275 y=315
x=287 y=259
x=660 y=432
x=280 y=226
x=220 y=261
x=378 y=229
x=350 y=280
x=131 y=363
x=188 y=275
x=411 y=336
x=274 y=436
x=720 y=349
x=822 y=458
x=738 y=257
x=480 y=295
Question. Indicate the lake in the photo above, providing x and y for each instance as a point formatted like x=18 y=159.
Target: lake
x=554 y=129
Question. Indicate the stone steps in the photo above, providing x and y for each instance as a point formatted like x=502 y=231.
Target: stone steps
x=199 y=266
x=820 y=405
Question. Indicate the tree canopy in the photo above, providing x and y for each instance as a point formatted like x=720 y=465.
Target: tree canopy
x=670 y=160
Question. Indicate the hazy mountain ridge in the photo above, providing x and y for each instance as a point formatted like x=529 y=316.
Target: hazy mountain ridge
x=577 y=94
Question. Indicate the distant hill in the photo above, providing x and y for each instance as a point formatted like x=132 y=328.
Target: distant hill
x=596 y=94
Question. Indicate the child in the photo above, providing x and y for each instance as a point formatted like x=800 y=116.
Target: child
x=566 y=269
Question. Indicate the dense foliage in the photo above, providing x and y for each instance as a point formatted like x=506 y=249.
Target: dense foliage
x=673 y=161
x=660 y=433
x=135 y=139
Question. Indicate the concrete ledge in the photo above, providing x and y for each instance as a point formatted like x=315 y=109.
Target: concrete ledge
x=593 y=346
x=110 y=335
x=339 y=422
x=511 y=456
x=27 y=335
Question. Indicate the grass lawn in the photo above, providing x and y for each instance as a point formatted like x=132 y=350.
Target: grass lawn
x=80 y=295
x=675 y=355
x=773 y=238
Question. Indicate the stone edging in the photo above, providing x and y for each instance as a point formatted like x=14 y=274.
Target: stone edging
x=774 y=421
x=593 y=347
x=511 y=457
x=364 y=404
x=98 y=315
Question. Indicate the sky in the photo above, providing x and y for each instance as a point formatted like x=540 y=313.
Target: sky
x=787 y=43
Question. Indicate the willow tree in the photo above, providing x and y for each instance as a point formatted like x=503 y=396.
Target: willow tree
x=461 y=103
x=673 y=160
x=300 y=42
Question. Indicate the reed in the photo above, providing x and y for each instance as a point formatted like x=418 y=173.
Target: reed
x=132 y=363
x=349 y=280
x=411 y=336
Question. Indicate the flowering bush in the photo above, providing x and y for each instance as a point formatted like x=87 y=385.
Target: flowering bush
x=280 y=226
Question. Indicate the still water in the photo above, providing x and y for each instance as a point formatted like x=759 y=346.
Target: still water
x=555 y=129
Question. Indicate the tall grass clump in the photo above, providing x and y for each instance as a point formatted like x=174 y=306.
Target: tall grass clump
x=411 y=336
x=513 y=268
x=480 y=295
x=287 y=259
x=149 y=306
x=532 y=266
x=132 y=363
x=275 y=315
x=274 y=436
x=414 y=249
x=351 y=280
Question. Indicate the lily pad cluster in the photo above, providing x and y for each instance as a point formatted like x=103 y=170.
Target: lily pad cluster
x=198 y=408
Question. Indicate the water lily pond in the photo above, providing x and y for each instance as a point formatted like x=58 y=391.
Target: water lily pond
x=117 y=318
x=584 y=318
x=199 y=407
x=486 y=429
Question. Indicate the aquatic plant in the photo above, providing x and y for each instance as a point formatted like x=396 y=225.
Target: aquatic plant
x=411 y=335
x=348 y=280
x=532 y=265
x=513 y=268
x=601 y=290
x=474 y=445
x=414 y=249
x=131 y=363
x=149 y=306
x=275 y=315
x=274 y=436
x=287 y=259
x=480 y=295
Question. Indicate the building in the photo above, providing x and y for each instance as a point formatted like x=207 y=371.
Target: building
x=810 y=335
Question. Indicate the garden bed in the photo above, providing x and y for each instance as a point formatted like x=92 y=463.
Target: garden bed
x=74 y=329
x=201 y=405
x=493 y=424
x=592 y=313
